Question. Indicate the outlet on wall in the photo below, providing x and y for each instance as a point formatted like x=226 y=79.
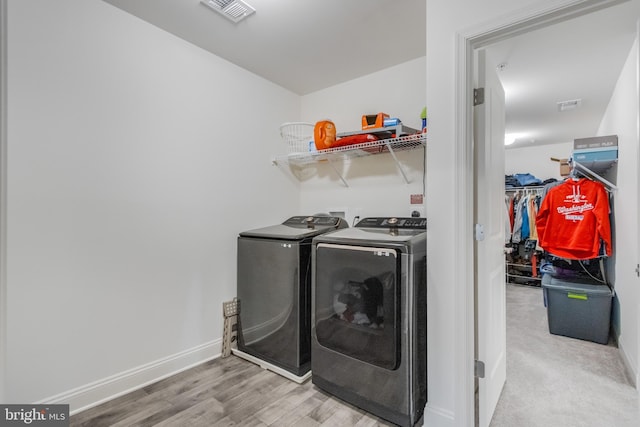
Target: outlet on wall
x=348 y=214
x=416 y=210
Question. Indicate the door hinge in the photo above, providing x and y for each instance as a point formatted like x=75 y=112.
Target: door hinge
x=479 y=232
x=478 y=96
x=478 y=368
x=638 y=270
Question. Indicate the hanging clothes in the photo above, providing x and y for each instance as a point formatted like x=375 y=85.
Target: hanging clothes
x=511 y=211
x=516 y=236
x=523 y=206
x=573 y=220
x=532 y=209
x=508 y=223
x=525 y=230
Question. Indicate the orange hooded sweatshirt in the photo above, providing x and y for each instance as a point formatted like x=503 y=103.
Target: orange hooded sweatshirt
x=573 y=220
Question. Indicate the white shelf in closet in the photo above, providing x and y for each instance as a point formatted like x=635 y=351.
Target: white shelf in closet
x=595 y=170
x=410 y=139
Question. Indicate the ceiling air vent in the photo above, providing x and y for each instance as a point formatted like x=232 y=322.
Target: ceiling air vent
x=569 y=105
x=234 y=10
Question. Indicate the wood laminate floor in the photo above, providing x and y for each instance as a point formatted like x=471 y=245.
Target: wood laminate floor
x=551 y=381
x=226 y=392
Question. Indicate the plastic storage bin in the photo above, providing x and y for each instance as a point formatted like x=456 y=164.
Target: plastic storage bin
x=577 y=309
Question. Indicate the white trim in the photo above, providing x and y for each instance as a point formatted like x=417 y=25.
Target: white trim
x=101 y=391
x=536 y=16
x=3 y=196
x=464 y=290
x=635 y=368
x=467 y=40
x=630 y=373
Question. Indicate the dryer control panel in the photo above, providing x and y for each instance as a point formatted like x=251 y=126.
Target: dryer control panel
x=394 y=222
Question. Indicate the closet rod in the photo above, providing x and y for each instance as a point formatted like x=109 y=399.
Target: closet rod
x=529 y=187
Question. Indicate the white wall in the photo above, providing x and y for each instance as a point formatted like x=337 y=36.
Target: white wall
x=134 y=159
x=128 y=184
x=536 y=160
x=621 y=118
x=376 y=186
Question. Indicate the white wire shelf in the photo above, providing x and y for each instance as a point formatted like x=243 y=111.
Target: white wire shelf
x=389 y=145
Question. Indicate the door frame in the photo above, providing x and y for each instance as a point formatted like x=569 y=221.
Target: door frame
x=467 y=41
x=637 y=368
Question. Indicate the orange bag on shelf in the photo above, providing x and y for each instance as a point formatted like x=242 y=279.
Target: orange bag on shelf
x=354 y=139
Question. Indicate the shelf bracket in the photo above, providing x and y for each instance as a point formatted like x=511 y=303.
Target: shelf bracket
x=398 y=164
x=335 y=169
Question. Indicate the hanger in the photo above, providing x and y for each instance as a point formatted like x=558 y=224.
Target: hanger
x=573 y=174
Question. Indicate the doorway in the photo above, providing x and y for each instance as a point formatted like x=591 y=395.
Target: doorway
x=468 y=45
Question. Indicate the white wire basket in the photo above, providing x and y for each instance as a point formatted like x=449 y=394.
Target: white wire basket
x=298 y=136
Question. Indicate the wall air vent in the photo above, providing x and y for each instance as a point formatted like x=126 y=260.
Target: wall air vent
x=234 y=10
x=569 y=105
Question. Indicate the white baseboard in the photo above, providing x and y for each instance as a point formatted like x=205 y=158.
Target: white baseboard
x=101 y=391
x=631 y=372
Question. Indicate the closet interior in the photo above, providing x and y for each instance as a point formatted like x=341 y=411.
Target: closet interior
x=559 y=237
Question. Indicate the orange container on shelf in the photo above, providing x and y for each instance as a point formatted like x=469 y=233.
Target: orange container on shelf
x=324 y=134
x=371 y=121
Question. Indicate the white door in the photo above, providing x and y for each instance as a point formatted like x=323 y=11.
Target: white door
x=490 y=214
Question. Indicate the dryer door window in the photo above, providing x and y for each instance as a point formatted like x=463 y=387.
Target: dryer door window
x=356 y=306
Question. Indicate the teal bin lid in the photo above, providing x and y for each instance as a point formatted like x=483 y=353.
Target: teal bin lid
x=565 y=284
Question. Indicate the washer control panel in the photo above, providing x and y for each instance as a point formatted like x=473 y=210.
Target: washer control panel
x=306 y=221
x=394 y=222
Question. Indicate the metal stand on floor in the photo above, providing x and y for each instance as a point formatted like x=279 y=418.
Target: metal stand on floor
x=230 y=333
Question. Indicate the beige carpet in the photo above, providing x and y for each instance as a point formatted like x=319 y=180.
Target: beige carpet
x=558 y=381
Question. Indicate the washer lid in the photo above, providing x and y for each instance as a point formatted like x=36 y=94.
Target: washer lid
x=368 y=236
x=298 y=228
x=578 y=285
x=381 y=229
